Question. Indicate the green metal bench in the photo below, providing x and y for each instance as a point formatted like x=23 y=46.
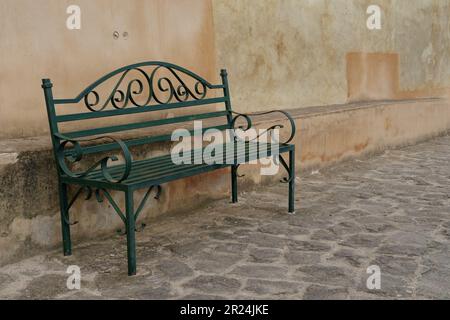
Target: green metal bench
x=154 y=87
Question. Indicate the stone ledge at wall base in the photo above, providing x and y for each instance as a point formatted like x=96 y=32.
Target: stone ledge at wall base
x=29 y=213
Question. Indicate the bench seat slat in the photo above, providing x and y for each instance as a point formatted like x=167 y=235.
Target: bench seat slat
x=155 y=170
x=172 y=169
x=158 y=164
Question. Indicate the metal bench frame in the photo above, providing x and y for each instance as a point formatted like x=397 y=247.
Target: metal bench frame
x=100 y=178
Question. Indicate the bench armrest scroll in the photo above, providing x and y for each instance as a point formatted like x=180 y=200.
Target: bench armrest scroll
x=248 y=119
x=77 y=155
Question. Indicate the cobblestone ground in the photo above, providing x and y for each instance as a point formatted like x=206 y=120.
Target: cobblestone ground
x=391 y=210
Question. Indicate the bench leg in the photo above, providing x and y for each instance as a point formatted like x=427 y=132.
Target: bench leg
x=234 y=195
x=131 y=228
x=292 y=181
x=64 y=205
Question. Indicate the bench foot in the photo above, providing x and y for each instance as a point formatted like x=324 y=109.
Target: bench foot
x=65 y=225
x=131 y=228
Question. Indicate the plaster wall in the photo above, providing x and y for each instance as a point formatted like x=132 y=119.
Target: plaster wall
x=35 y=44
x=288 y=54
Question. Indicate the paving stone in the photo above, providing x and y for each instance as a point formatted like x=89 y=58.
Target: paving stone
x=330 y=275
x=355 y=213
x=445 y=233
x=260 y=271
x=435 y=259
x=435 y=283
x=187 y=249
x=396 y=266
x=150 y=293
x=361 y=241
x=237 y=222
x=218 y=235
x=410 y=238
x=281 y=229
x=446 y=225
x=379 y=228
x=325 y=235
x=230 y=247
x=175 y=269
x=214 y=284
x=203 y=297
x=264 y=255
x=152 y=287
x=46 y=286
x=391 y=286
x=301 y=257
x=303 y=220
x=264 y=240
x=317 y=292
x=272 y=288
x=215 y=262
x=402 y=250
x=242 y=234
x=346 y=228
x=308 y=246
x=5 y=279
x=349 y=256
x=77 y=295
x=434 y=245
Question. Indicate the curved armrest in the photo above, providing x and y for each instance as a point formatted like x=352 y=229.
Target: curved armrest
x=77 y=155
x=248 y=116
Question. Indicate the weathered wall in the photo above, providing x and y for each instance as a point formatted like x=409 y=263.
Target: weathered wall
x=279 y=53
x=293 y=53
x=36 y=44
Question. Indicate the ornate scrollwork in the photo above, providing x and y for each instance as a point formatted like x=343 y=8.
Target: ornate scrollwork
x=290 y=177
x=249 y=124
x=147 y=87
x=77 y=155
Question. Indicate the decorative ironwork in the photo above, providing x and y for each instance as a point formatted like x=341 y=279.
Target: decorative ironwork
x=280 y=158
x=80 y=190
x=145 y=198
x=249 y=124
x=237 y=172
x=76 y=155
x=101 y=194
x=291 y=174
x=149 y=86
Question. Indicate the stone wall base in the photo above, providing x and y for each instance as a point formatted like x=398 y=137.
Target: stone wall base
x=29 y=216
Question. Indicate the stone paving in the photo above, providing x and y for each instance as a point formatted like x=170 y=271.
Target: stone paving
x=391 y=210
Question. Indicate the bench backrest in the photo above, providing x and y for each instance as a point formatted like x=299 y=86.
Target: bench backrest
x=138 y=92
